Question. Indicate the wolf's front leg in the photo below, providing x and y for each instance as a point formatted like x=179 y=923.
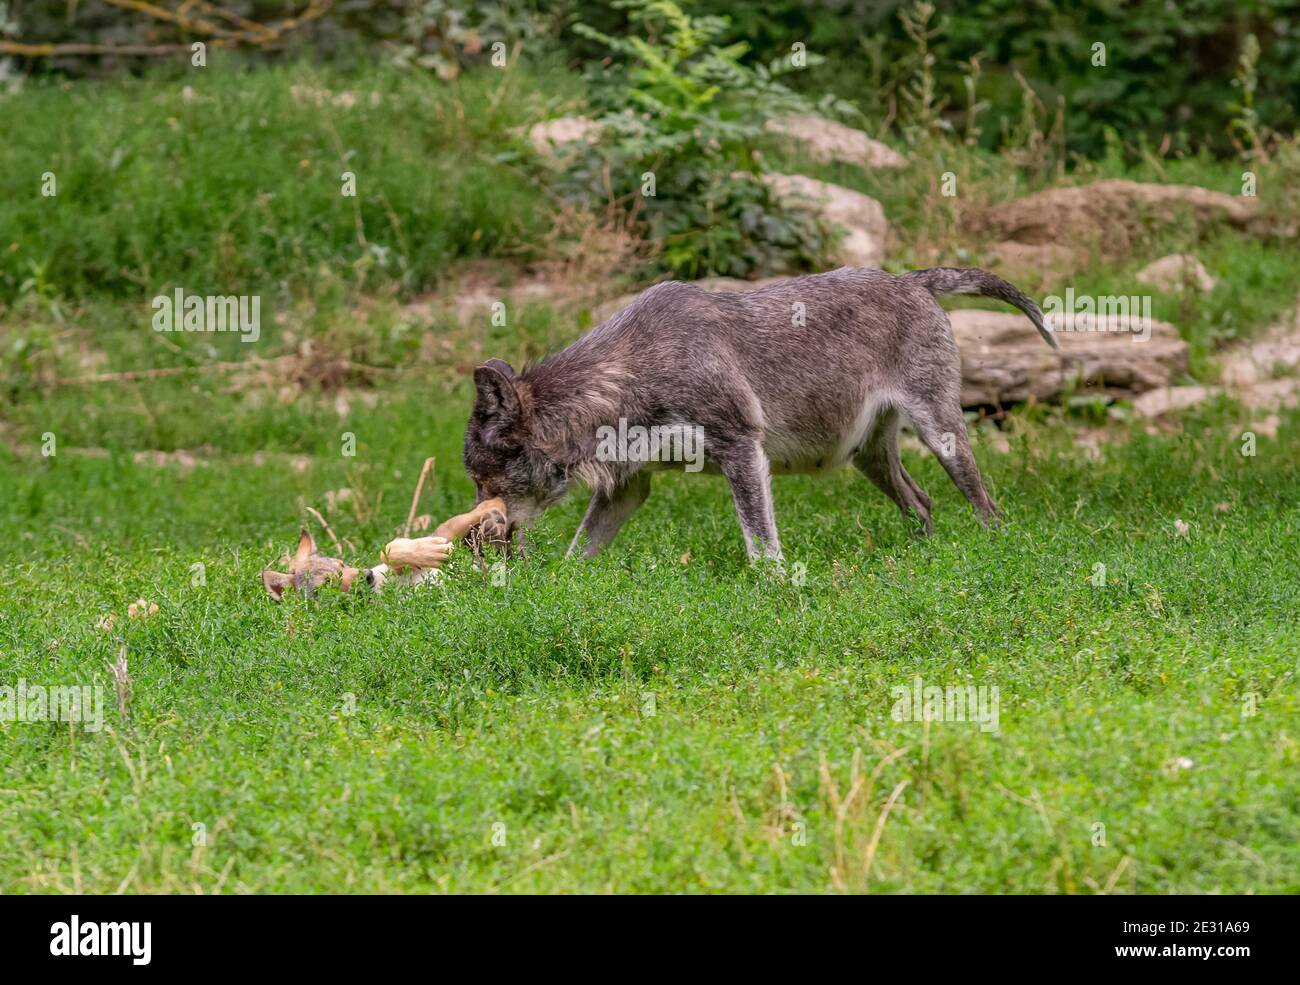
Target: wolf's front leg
x=746 y=467
x=606 y=513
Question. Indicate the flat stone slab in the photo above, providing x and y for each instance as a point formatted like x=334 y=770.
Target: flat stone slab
x=1277 y=353
x=1166 y=399
x=1005 y=360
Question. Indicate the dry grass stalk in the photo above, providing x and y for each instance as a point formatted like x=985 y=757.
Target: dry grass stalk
x=415 y=499
x=122 y=684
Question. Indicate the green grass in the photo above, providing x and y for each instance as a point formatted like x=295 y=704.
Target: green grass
x=528 y=704
x=241 y=182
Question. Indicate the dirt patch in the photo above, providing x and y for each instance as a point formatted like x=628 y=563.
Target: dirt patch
x=311 y=367
x=180 y=458
x=185 y=458
x=305 y=95
x=1035 y=263
x=590 y=257
x=475 y=289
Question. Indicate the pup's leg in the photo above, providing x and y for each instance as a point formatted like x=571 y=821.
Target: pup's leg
x=607 y=513
x=746 y=467
x=943 y=429
x=878 y=460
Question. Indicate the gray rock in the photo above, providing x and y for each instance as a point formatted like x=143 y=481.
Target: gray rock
x=1278 y=352
x=550 y=136
x=1109 y=216
x=1175 y=273
x=860 y=216
x=827 y=141
x=1163 y=400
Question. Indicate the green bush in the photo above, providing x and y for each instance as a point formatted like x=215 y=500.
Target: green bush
x=680 y=115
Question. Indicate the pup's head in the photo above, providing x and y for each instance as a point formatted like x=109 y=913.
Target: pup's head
x=308 y=571
x=501 y=454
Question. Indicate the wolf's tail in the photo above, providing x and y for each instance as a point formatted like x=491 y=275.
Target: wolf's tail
x=971 y=280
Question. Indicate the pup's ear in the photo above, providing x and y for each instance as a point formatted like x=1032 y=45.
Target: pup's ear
x=275 y=582
x=302 y=554
x=497 y=399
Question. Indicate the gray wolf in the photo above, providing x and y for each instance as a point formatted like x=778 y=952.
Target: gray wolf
x=804 y=375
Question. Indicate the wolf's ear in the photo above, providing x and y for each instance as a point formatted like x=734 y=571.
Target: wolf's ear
x=496 y=398
x=302 y=554
x=502 y=367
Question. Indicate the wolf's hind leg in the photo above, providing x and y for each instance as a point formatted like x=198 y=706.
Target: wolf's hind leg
x=746 y=467
x=943 y=429
x=879 y=461
x=606 y=514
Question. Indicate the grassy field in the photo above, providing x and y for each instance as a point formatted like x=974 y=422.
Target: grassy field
x=655 y=721
x=664 y=718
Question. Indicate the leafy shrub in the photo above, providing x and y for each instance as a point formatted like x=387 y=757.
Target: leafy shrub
x=680 y=114
x=445 y=35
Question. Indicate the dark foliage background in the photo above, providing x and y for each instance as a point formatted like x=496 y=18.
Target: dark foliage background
x=1168 y=77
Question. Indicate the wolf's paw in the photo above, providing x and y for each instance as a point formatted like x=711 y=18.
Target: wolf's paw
x=492 y=531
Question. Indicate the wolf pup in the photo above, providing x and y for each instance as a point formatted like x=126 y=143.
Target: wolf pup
x=803 y=375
